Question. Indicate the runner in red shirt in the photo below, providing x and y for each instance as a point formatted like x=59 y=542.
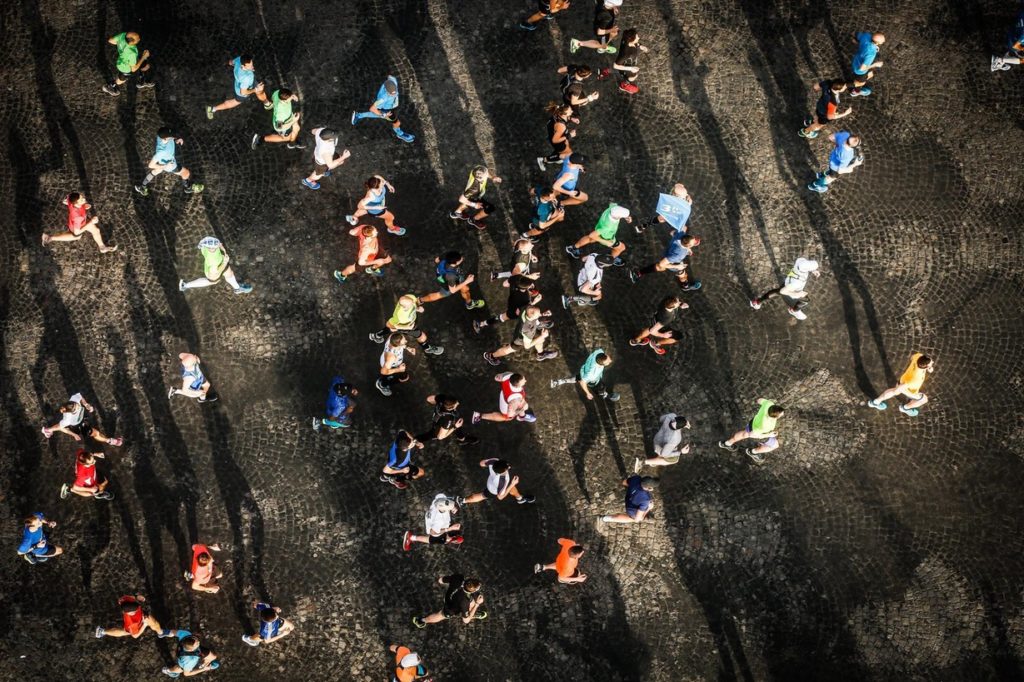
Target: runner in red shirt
x=88 y=483
x=204 y=573
x=79 y=223
x=135 y=620
x=511 y=401
x=370 y=257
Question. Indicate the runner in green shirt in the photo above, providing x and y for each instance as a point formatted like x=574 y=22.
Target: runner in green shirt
x=215 y=267
x=605 y=233
x=762 y=428
x=128 y=63
x=403 y=319
x=285 y=121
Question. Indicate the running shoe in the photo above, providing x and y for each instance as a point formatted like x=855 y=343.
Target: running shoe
x=100 y=632
x=396 y=230
x=406 y=541
x=573 y=251
x=658 y=350
x=384 y=390
x=340 y=277
x=641 y=342
x=113 y=90
x=181 y=285
x=376 y=337
x=725 y=446
x=755 y=304
x=419 y=622
x=529 y=418
x=170 y=392
x=295 y=145
x=142 y=189
x=809 y=135
x=629 y=88
x=195 y=188
x=256 y=139
x=468 y=440
x=909 y=411
x=376 y=272
x=104 y=495
x=537 y=568
x=316 y=424
x=489 y=357
x=142 y=85
x=243 y=289
x=574 y=46
x=690 y=286
x=351 y=219
x=526 y=499
x=250 y=640
x=877 y=405
x=607 y=49
x=476 y=420
x=404 y=136
x=310 y=185
x=527 y=26
x=547 y=355
x=541 y=163
x=455 y=215
x=477 y=326
x=638 y=464
x=65 y=490
x=820 y=188
x=618 y=262
x=457 y=540
x=475 y=303
x=354 y=120
x=431 y=349
x=478 y=224
x=613 y=397
x=604 y=73
x=209 y=113
x=798 y=314
x=757 y=457
x=565 y=302
x=634 y=276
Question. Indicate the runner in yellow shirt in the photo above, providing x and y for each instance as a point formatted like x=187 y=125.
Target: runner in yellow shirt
x=910 y=386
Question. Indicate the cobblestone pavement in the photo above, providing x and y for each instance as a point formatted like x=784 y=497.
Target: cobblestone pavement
x=871 y=546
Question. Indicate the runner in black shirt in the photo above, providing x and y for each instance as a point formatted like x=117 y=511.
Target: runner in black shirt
x=827 y=109
x=661 y=332
x=446 y=421
x=462 y=599
x=605 y=14
x=522 y=293
x=558 y=133
x=573 y=93
x=546 y=10
x=626 y=63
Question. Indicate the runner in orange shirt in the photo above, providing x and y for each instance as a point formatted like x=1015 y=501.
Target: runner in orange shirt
x=910 y=386
x=370 y=257
x=566 y=563
x=408 y=665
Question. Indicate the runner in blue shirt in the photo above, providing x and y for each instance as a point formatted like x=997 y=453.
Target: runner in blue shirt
x=400 y=470
x=192 y=658
x=272 y=626
x=35 y=546
x=1014 y=47
x=676 y=259
x=384 y=107
x=164 y=161
x=547 y=211
x=864 y=62
x=340 y=405
x=565 y=185
x=842 y=160
x=245 y=86
x=638 y=500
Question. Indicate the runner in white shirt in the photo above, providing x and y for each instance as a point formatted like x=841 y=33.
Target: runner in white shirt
x=438 y=522
x=588 y=282
x=793 y=290
x=500 y=484
x=324 y=156
x=75 y=421
x=668 y=443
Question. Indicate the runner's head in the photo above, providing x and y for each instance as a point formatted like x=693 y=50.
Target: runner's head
x=670 y=303
x=285 y=93
x=76 y=199
x=679 y=423
x=443 y=503
x=246 y=61
x=85 y=457
x=397 y=340
x=69 y=406
x=631 y=37
x=407 y=301
x=130 y=607
x=329 y=135
x=776 y=411
x=524 y=246
x=576 y=551
x=924 y=362
x=838 y=86
x=648 y=483
x=583 y=72
x=268 y=615
x=481 y=172
x=878 y=38
x=548 y=193
x=342 y=389
x=132 y=38
x=405 y=441
x=165 y=133
x=517 y=380
x=603 y=359
x=190 y=643
x=689 y=241
x=33 y=522
x=369 y=231
x=604 y=261
x=577 y=159
x=471 y=585
x=452 y=258
x=204 y=559
x=853 y=141
x=390 y=86
x=373 y=183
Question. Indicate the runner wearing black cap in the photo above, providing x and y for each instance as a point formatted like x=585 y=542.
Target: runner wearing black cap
x=324 y=158
x=566 y=184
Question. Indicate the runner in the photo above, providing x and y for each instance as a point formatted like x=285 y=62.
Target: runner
x=910 y=386
x=472 y=197
x=400 y=470
x=588 y=281
x=462 y=599
x=844 y=158
x=673 y=209
x=452 y=280
x=792 y=291
x=324 y=158
x=574 y=94
x=626 y=62
x=762 y=428
x=192 y=658
x=76 y=421
x=864 y=62
x=164 y=161
x=568 y=179
x=215 y=266
x=605 y=30
x=284 y=120
x=590 y=375
x=522 y=262
x=446 y=421
x=661 y=333
x=204 y=573
x=340 y=405
x=558 y=134
x=605 y=233
x=511 y=401
x=546 y=10
x=35 y=545
x=87 y=482
x=547 y=210
x=522 y=292
x=403 y=319
x=500 y=484
x=408 y=665
x=194 y=383
x=384 y=107
x=638 y=500
x=135 y=620
x=374 y=203
x=668 y=443
x=392 y=363
x=440 y=529
x=245 y=87
x=827 y=109
x=79 y=224
x=676 y=260
x=129 y=63
x=370 y=257
x=1014 y=47
x=272 y=626
x=566 y=564
x=529 y=335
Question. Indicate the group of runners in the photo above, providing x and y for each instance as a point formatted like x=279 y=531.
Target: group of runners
x=597 y=251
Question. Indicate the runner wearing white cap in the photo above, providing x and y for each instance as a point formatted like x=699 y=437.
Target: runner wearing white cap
x=792 y=291
x=408 y=665
x=605 y=233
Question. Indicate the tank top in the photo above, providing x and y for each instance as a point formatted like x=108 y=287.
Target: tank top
x=402 y=318
x=509 y=392
x=195 y=374
x=574 y=172
x=398 y=352
x=378 y=199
